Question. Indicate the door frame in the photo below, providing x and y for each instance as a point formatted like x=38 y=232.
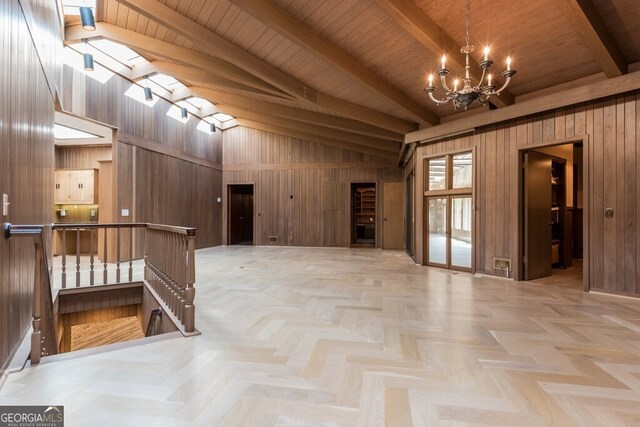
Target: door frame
x=586 y=190
x=426 y=194
x=448 y=212
x=227 y=210
x=350 y=212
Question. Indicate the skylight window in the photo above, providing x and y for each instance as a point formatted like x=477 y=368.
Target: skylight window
x=221 y=117
x=72 y=7
x=167 y=82
x=65 y=132
x=119 y=52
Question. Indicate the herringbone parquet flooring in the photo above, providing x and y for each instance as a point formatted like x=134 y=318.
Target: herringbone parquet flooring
x=338 y=337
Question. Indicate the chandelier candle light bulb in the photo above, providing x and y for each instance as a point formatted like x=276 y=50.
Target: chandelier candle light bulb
x=471 y=89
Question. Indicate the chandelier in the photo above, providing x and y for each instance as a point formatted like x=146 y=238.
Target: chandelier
x=466 y=94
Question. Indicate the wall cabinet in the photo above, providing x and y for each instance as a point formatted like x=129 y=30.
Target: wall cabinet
x=76 y=186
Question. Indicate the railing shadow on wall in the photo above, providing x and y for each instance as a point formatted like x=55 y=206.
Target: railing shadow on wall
x=167 y=269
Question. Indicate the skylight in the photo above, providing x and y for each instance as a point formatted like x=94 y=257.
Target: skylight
x=117 y=51
x=65 y=132
x=72 y=7
x=221 y=117
x=167 y=82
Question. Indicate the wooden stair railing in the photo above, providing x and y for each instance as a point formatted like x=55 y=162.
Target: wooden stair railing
x=43 y=336
x=168 y=271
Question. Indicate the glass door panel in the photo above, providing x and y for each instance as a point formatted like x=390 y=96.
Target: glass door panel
x=437 y=230
x=461 y=221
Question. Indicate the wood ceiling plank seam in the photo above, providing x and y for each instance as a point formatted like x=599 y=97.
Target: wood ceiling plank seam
x=161 y=33
x=170 y=37
x=132 y=20
x=152 y=29
x=338 y=25
x=217 y=15
x=291 y=28
x=248 y=31
x=229 y=17
x=112 y=12
x=142 y=25
x=420 y=26
x=184 y=6
x=205 y=13
x=123 y=13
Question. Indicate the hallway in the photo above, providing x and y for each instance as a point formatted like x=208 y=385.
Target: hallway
x=307 y=336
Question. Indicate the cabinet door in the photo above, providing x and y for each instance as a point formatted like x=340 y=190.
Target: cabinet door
x=75 y=186
x=61 y=187
x=86 y=186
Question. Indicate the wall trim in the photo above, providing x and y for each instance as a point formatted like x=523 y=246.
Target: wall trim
x=305 y=166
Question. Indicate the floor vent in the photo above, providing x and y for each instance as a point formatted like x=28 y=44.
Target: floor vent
x=273 y=238
x=502 y=264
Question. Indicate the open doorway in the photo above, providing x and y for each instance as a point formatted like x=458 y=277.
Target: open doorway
x=553 y=214
x=363 y=215
x=240 y=214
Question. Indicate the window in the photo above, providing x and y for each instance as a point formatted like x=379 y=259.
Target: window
x=450 y=172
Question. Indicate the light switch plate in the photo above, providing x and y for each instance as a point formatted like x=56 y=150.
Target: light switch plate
x=125 y=212
x=5 y=205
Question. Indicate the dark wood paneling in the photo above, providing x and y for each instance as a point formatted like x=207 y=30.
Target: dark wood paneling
x=611 y=129
x=27 y=157
x=289 y=177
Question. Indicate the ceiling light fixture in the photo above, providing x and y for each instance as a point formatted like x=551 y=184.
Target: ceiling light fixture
x=183 y=112
x=88 y=58
x=148 y=95
x=86 y=16
x=467 y=94
x=213 y=127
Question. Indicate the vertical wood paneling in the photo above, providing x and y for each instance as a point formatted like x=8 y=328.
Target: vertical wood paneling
x=26 y=160
x=613 y=160
x=317 y=176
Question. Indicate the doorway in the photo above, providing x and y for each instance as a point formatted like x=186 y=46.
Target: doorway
x=551 y=227
x=409 y=218
x=363 y=215
x=240 y=214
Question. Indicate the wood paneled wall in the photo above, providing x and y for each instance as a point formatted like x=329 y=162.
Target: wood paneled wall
x=81 y=157
x=175 y=179
x=611 y=126
x=292 y=178
x=26 y=156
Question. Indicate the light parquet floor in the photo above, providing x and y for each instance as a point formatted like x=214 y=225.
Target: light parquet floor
x=338 y=337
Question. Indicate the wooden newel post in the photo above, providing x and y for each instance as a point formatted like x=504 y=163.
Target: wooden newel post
x=36 y=335
x=190 y=292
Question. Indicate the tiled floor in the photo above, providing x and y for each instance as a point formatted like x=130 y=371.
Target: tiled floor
x=339 y=337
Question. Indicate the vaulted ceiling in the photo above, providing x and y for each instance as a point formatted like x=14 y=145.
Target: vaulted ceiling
x=358 y=67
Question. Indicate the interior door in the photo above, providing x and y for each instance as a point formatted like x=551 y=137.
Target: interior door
x=461 y=229
x=392 y=237
x=437 y=232
x=537 y=215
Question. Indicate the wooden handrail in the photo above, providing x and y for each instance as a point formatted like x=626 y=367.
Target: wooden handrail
x=43 y=336
x=169 y=272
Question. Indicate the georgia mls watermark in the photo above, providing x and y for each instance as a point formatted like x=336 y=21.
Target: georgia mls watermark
x=32 y=416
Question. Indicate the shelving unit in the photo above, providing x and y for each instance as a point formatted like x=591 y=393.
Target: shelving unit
x=364 y=212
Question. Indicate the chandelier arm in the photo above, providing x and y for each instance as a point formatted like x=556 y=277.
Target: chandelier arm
x=484 y=72
x=504 y=86
x=438 y=101
x=443 y=81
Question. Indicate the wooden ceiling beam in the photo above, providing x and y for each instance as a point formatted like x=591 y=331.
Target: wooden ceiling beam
x=196 y=75
x=223 y=100
x=281 y=130
x=223 y=48
x=140 y=42
x=315 y=129
x=584 y=16
x=417 y=23
x=293 y=29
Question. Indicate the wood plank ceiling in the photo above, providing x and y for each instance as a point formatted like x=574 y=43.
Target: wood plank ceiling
x=359 y=66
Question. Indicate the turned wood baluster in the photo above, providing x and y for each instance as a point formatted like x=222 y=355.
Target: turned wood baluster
x=36 y=335
x=190 y=292
x=117 y=255
x=77 y=257
x=91 y=275
x=131 y=254
x=64 y=258
x=105 y=257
